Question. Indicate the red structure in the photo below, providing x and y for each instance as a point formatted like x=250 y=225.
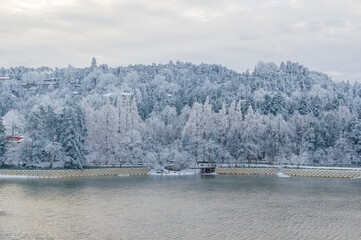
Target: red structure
x=15 y=139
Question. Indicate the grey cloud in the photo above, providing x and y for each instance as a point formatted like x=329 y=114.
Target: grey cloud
x=323 y=35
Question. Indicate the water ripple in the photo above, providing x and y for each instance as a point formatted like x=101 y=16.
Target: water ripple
x=189 y=207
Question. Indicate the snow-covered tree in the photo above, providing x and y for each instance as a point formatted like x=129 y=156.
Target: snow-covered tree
x=276 y=139
x=72 y=133
x=103 y=136
x=3 y=140
x=355 y=135
x=251 y=146
x=35 y=132
x=341 y=153
x=14 y=123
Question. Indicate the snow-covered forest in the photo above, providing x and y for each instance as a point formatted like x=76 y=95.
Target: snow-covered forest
x=177 y=113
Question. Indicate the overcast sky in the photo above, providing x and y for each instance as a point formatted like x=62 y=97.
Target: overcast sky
x=323 y=35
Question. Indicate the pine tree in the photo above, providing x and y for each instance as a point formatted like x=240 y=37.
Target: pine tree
x=33 y=153
x=3 y=140
x=278 y=105
x=355 y=135
x=72 y=133
x=93 y=63
x=51 y=122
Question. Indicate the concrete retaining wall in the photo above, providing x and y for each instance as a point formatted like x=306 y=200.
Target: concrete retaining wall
x=293 y=172
x=322 y=173
x=71 y=173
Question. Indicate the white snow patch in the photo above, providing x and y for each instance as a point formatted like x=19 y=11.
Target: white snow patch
x=281 y=174
x=303 y=167
x=171 y=173
x=17 y=176
x=123 y=175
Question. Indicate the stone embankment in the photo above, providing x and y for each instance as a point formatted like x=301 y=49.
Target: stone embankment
x=71 y=173
x=339 y=173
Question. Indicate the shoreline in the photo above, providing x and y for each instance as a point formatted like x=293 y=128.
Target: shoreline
x=72 y=173
x=304 y=171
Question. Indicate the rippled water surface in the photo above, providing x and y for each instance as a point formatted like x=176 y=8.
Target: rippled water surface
x=182 y=207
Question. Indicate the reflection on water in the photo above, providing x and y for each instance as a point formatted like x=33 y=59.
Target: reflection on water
x=181 y=207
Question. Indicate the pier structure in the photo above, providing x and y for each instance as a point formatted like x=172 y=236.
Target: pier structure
x=205 y=167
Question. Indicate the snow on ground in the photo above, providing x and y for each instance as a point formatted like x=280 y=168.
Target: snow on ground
x=172 y=173
x=281 y=174
x=123 y=175
x=331 y=168
x=308 y=167
x=17 y=176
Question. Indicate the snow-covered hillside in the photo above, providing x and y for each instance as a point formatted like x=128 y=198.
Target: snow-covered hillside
x=177 y=113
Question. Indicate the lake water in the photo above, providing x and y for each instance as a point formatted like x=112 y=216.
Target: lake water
x=181 y=207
